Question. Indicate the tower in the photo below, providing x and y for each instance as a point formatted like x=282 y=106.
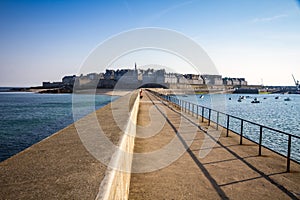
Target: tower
x=136 y=73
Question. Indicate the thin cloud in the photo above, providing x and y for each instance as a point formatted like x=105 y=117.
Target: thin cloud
x=128 y=7
x=269 y=19
x=163 y=12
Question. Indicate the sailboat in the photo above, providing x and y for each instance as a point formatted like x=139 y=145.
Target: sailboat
x=297 y=85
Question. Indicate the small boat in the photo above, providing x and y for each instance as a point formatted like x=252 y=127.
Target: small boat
x=240 y=99
x=255 y=101
x=201 y=96
x=287 y=99
x=276 y=97
x=229 y=98
x=265 y=97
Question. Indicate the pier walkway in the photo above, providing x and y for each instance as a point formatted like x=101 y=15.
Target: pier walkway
x=228 y=171
x=60 y=167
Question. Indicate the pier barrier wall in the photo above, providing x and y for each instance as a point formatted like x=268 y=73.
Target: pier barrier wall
x=116 y=183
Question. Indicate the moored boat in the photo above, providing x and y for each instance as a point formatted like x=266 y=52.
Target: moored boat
x=255 y=101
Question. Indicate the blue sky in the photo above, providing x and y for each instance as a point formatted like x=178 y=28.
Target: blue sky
x=45 y=40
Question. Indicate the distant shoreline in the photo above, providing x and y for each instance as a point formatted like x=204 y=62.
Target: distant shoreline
x=209 y=89
x=109 y=92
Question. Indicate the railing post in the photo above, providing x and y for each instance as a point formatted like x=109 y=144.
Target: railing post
x=193 y=109
x=217 y=121
x=227 y=128
x=260 y=139
x=185 y=105
x=241 y=134
x=188 y=107
x=288 y=164
x=202 y=114
x=181 y=105
x=197 y=111
x=209 y=113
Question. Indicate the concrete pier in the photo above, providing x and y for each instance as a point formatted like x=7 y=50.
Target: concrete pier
x=228 y=171
x=60 y=167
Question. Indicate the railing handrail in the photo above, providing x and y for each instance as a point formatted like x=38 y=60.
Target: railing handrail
x=239 y=118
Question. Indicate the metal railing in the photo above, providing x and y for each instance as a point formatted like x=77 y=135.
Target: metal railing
x=199 y=111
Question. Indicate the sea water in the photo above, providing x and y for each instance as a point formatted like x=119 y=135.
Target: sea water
x=27 y=118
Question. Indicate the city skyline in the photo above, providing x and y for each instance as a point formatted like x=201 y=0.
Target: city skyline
x=43 y=40
x=141 y=76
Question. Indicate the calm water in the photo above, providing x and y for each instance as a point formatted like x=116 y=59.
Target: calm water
x=27 y=118
x=271 y=112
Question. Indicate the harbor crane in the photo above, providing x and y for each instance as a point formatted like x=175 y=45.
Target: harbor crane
x=296 y=83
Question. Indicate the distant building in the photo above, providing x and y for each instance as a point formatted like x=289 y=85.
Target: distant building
x=243 y=81
x=153 y=76
x=69 y=80
x=101 y=76
x=234 y=81
x=193 y=79
x=93 y=76
x=212 y=79
x=160 y=76
x=106 y=83
x=182 y=79
x=109 y=74
x=171 y=78
x=134 y=78
x=127 y=79
x=49 y=85
x=227 y=81
x=126 y=74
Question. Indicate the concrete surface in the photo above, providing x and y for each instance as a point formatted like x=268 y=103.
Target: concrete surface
x=116 y=183
x=60 y=167
x=229 y=171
